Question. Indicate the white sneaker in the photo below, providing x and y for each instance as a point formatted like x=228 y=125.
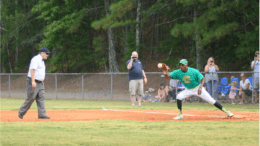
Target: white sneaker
x=178 y=117
x=229 y=114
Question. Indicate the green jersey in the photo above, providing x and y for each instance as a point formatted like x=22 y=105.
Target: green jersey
x=190 y=79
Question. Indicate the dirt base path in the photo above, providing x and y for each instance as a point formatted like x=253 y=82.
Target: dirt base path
x=137 y=115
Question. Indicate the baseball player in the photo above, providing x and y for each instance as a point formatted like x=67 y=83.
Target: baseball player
x=193 y=81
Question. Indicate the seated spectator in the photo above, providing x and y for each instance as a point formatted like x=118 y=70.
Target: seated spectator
x=232 y=92
x=244 y=88
x=172 y=89
x=147 y=97
x=162 y=93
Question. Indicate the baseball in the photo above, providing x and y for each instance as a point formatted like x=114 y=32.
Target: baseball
x=159 y=65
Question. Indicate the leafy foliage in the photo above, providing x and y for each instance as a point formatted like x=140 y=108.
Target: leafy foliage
x=76 y=32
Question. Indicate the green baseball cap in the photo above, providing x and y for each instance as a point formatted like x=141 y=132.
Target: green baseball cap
x=184 y=61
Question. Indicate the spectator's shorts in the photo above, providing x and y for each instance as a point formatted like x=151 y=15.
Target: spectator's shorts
x=247 y=92
x=256 y=82
x=136 y=87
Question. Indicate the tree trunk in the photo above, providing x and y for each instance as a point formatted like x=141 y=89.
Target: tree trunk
x=170 y=53
x=157 y=36
x=142 y=35
x=138 y=25
x=2 y=69
x=10 y=66
x=125 y=31
x=16 y=36
x=198 y=48
x=113 y=66
x=106 y=67
x=151 y=55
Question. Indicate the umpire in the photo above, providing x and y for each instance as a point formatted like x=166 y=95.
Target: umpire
x=35 y=85
x=136 y=78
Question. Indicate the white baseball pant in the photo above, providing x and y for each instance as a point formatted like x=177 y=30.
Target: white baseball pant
x=188 y=92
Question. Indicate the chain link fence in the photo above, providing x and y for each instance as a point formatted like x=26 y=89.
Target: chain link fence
x=98 y=86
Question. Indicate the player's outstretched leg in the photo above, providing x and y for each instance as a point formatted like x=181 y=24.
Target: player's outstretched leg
x=205 y=95
x=219 y=106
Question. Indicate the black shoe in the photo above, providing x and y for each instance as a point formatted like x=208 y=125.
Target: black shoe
x=44 y=117
x=20 y=116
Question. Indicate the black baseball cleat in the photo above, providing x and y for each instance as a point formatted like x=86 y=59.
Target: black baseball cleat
x=44 y=117
x=20 y=116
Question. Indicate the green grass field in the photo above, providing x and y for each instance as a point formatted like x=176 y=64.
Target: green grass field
x=123 y=132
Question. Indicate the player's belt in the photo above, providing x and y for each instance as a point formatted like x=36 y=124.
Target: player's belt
x=194 y=88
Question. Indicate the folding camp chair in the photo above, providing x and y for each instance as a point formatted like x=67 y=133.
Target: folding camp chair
x=224 y=89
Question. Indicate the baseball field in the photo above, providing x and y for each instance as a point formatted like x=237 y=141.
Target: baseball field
x=83 y=122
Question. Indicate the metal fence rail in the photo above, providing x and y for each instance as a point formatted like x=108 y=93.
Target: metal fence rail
x=89 y=86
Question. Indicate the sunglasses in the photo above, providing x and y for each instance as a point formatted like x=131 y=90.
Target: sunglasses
x=180 y=64
x=47 y=53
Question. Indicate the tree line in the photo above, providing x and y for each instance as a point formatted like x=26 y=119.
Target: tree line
x=99 y=35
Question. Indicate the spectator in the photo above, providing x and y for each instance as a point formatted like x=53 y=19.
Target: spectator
x=172 y=88
x=174 y=84
x=211 y=77
x=147 y=97
x=244 y=87
x=136 y=78
x=232 y=92
x=162 y=93
x=255 y=67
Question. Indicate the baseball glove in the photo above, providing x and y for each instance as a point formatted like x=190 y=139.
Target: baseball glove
x=165 y=69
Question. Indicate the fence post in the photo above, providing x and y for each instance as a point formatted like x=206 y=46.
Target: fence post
x=111 y=85
x=9 y=84
x=83 y=86
x=56 y=86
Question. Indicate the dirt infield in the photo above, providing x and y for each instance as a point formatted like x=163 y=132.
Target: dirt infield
x=137 y=115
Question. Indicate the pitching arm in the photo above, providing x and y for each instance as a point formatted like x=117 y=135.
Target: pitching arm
x=166 y=74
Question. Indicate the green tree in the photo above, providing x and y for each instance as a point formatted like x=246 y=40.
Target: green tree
x=223 y=27
x=69 y=32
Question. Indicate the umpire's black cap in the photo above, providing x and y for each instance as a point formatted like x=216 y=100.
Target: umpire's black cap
x=44 y=49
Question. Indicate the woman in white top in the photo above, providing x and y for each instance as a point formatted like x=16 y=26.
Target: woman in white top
x=244 y=87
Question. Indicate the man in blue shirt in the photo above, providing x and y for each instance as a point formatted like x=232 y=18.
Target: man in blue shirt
x=136 y=78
